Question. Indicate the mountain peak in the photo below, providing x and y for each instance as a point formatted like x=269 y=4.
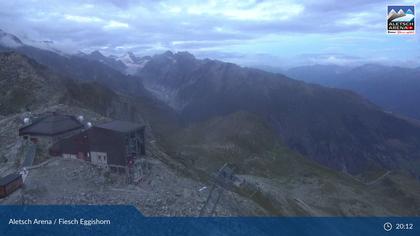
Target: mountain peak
x=96 y=52
x=185 y=54
x=168 y=53
x=131 y=54
x=131 y=62
x=9 y=40
x=133 y=57
x=129 y=57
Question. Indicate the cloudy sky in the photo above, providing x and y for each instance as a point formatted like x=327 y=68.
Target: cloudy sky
x=249 y=32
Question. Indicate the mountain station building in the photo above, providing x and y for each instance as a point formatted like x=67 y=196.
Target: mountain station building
x=115 y=145
x=50 y=127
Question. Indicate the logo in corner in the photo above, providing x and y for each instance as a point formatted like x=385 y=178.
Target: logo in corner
x=401 y=19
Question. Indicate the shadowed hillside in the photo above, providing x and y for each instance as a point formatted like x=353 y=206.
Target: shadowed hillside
x=335 y=127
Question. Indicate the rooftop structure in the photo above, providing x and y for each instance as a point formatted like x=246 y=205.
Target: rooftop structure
x=120 y=126
x=116 y=143
x=52 y=124
x=9 y=184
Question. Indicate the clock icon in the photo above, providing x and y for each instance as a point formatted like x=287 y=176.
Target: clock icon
x=387 y=226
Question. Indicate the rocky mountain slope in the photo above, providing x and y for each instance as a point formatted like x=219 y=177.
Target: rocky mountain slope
x=286 y=183
x=80 y=68
x=27 y=85
x=111 y=62
x=335 y=127
x=166 y=191
x=214 y=113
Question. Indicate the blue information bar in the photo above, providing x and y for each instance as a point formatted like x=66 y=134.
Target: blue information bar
x=127 y=220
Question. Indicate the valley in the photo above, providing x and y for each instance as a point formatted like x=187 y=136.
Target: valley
x=298 y=149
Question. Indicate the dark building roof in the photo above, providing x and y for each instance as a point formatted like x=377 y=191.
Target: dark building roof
x=120 y=126
x=109 y=138
x=9 y=178
x=51 y=124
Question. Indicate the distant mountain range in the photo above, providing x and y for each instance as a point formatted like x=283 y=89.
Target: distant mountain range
x=298 y=142
x=92 y=67
x=128 y=63
x=393 y=88
x=327 y=125
x=288 y=184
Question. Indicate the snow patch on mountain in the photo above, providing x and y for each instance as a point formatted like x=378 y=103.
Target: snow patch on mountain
x=132 y=62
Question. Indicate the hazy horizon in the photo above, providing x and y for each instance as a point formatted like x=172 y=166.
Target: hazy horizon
x=250 y=33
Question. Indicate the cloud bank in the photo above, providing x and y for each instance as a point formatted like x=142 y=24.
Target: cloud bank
x=275 y=33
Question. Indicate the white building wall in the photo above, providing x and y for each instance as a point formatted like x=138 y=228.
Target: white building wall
x=66 y=155
x=99 y=158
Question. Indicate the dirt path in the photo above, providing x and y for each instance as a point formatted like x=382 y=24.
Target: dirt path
x=379 y=178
